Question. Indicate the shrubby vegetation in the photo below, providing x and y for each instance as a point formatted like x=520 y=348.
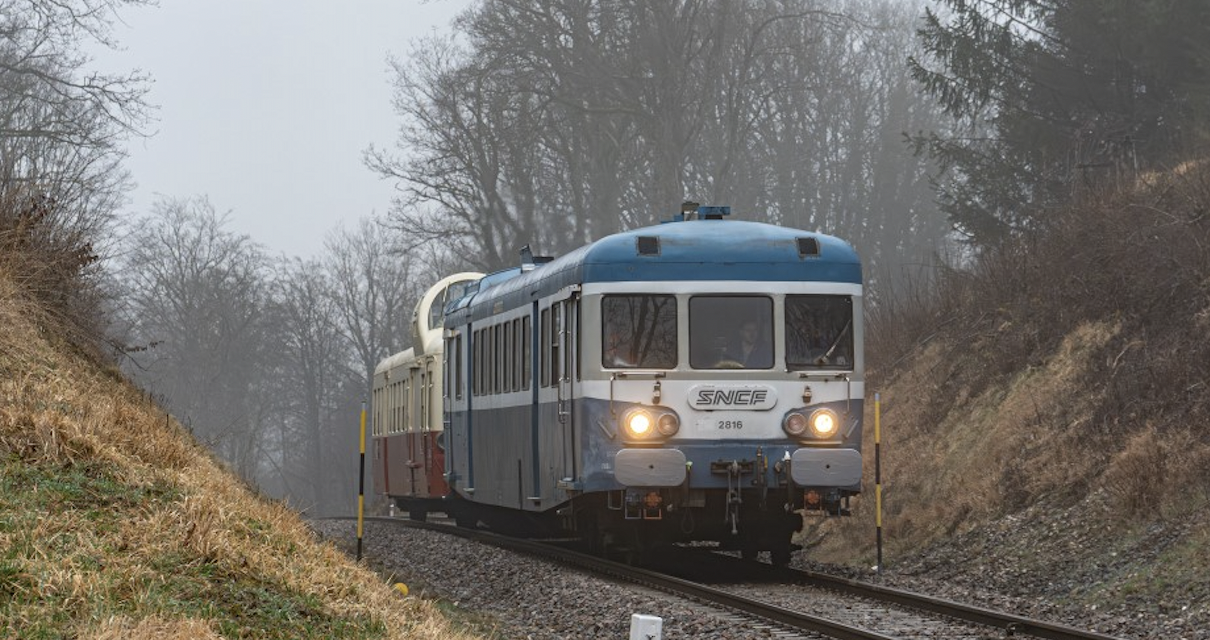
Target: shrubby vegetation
x=61 y=131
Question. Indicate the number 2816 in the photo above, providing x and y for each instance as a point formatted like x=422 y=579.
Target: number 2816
x=730 y=424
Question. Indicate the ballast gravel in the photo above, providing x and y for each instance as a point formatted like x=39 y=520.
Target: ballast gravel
x=526 y=597
x=517 y=596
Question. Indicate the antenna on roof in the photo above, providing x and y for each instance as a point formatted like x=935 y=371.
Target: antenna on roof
x=529 y=261
x=688 y=210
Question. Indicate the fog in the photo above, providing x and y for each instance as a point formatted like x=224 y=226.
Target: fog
x=267 y=106
x=303 y=171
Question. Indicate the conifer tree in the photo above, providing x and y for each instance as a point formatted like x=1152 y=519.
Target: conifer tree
x=1059 y=97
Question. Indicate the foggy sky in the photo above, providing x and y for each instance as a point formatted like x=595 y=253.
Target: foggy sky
x=266 y=106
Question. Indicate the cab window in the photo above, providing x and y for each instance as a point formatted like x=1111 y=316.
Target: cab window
x=638 y=332
x=731 y=332
x=819 y=332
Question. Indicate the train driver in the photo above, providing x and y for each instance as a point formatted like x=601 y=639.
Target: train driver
x=750 y=349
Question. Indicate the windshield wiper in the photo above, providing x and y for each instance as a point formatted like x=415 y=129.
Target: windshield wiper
x=823 y=360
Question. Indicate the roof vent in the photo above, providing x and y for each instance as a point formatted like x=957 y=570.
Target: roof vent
x=648 y=245
x=808 y=247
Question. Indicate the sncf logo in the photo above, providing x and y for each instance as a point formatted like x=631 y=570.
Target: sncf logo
x=707 y=397
x=740 y=397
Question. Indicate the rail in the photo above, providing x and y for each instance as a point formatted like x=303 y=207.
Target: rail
x=1010 y=623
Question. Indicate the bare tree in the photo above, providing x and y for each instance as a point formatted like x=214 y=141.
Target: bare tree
x=373 y=291
x=308 y=362
x=552 y=123
x=41 y=63
x=197 y=299
x=60 y=174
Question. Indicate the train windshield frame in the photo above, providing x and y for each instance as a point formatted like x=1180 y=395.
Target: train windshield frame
x=728 y=331
x=639 y=331
x=819 y=332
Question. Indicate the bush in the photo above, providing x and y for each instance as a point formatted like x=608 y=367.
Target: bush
x=52 y=264
x=1135 y=263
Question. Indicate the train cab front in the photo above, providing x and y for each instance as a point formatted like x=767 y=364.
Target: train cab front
x=727 y=415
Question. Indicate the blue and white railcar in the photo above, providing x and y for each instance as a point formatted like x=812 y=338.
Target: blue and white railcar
x=696 y=380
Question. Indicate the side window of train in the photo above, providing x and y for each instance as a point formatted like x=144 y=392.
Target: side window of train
x=406 y=423
x=485 y=382
x=501 y=356
x=489 y=370
x=477 y=364
x=502 y=346
x=525 y=353
x=395 y=418
x=506 y=357
x=515 y=362
x=556 y=330
x=458 y=367
x=544 y=348
x=579 y=337
x=390 y=408
x=437 y=311
x=491 y=361
x=495 y=387
x=446 y=370
x=506 y=361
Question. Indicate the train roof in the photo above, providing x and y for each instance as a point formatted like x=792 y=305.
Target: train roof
x=679 y=251
x=394 y=360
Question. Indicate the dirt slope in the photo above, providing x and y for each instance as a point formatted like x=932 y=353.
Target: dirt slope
x=114 y=523
x=1047 y=415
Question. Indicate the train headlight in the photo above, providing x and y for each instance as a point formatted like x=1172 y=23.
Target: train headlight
x=795 y=424
x=668 y=425
x=638 y=424
x=824 y=423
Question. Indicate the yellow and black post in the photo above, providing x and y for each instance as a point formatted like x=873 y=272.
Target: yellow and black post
x=878 y=475
x=361 y=480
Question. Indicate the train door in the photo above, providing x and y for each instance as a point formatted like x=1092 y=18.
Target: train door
x=416 y=403
x=567 y=329
x=426 y=407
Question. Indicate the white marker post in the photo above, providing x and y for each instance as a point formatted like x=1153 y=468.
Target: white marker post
x=643 y=627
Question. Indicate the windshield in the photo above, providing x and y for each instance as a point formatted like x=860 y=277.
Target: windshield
x=638 y=332
x=731 y=332
x=819 y=332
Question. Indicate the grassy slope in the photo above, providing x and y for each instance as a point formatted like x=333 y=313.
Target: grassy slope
x=1047 y=418
x=114 y=523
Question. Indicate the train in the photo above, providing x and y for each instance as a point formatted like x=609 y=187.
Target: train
x=699 y=380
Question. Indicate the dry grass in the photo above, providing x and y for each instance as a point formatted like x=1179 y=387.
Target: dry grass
x=1069 y=368
x=114 y=523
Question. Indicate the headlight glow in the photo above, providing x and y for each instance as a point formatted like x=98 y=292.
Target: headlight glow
x=638 y=424
x=795 y=424
x=823 y=423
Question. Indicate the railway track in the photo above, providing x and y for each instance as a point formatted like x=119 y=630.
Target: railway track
x=858 y=610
